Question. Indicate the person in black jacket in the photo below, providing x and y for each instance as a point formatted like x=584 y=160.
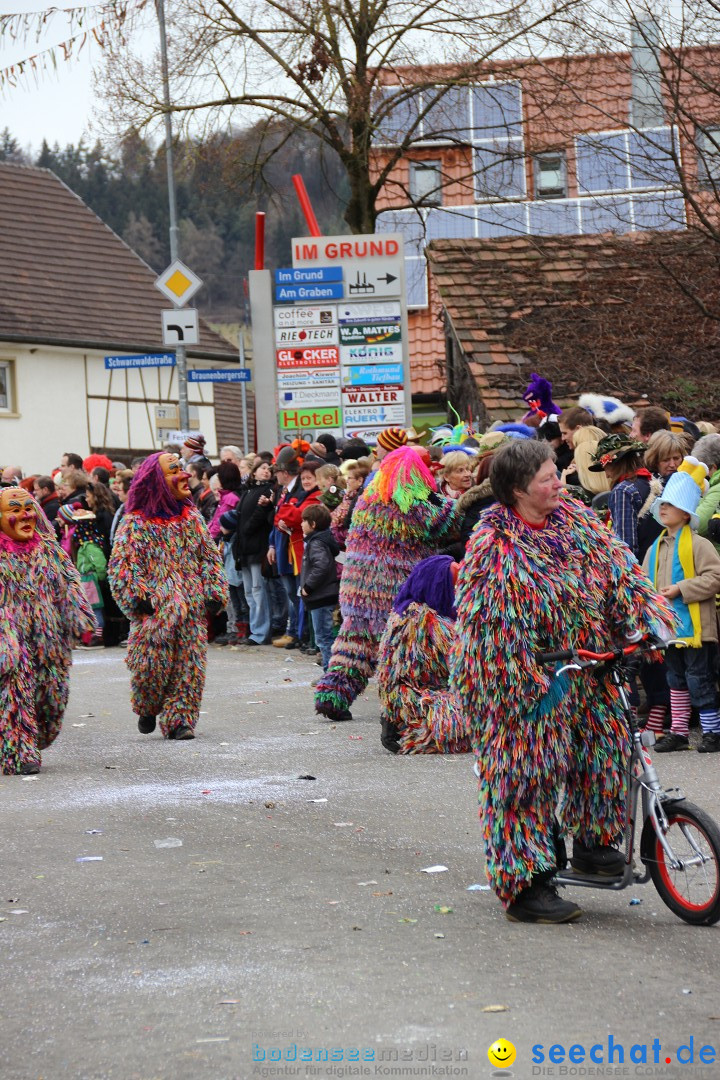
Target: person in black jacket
x=319 y=584
x=46 y=495
x=254 y=515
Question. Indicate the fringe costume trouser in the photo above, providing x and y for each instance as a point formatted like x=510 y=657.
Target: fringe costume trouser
x=352 y=662
x=168 y=673
x=33 y=698
x=530 y=769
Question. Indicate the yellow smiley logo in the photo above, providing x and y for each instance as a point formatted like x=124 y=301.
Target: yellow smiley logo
x=501 y=1053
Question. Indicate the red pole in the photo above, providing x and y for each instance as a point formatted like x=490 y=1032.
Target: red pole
x=304 y=200
x=259 y=240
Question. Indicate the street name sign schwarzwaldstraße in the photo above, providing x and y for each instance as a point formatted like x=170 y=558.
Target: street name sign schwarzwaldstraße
x=352 y=350
x=140 y=361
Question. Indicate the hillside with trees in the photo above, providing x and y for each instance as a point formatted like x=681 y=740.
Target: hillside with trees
x=218 y=193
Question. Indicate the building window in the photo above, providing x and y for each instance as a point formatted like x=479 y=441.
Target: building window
x=708 y=150
x=426 y=182
x=7 y=386
x=550 y=175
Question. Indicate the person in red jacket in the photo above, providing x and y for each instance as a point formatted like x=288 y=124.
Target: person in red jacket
x=288 y=520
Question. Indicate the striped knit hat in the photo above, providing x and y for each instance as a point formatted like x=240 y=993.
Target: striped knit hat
x=392 y=438
x=196 y=443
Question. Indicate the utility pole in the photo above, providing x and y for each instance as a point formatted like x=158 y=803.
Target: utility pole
x=180 y=354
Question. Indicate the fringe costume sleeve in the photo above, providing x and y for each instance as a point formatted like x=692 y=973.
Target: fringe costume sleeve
x=75 y=611
x=128 y=572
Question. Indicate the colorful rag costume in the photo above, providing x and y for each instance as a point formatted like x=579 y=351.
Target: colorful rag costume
x=42 y=608
x=398 y=521
x=164 y=557
x=523 y=590
x=413 y=664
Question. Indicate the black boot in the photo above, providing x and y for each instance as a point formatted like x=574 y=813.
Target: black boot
x=605 y=861
x=146 y=724
x=389 y=736
x=540 y=903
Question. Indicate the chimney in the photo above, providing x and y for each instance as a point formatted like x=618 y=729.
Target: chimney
x=646 y=105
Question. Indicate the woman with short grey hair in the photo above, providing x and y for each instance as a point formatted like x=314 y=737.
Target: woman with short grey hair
x=707 y=450
x=542 y=573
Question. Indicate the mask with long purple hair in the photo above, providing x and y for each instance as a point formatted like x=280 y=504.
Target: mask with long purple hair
x=149 y=494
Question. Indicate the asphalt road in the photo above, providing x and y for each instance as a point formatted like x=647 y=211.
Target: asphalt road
x=228 y=911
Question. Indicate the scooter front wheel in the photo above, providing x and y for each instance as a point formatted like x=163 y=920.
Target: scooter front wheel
x=691 y=890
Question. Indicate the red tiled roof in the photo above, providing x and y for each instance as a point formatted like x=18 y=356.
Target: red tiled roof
x=67 y=279
x=590 y=313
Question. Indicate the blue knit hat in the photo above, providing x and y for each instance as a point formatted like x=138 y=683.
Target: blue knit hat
x=685 y=489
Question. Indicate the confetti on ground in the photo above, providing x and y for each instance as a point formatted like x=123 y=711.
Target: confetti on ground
x=478 y=888
x=342 y=824
x=494 y=1008
x=367 y=882
x=89 y=858
x=407 y=920
x=317 y=800
x=434 y=870
x=443 y=909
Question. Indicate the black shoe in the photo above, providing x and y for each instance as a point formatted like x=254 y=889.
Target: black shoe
x=146 y=724
x=340 y=716
x=251 y=641
x=294 y=644
x=540 y=903
x=605 y=861
x=29 y=768
x=671 y=742
x=389 y=736
x=710 y=743
x=181 y=733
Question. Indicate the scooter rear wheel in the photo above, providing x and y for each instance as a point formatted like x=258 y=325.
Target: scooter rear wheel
x=690 y=891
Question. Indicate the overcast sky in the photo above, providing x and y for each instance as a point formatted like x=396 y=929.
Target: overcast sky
x=60 y=107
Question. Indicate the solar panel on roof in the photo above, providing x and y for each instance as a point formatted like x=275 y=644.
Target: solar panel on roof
x=551 y=218
x=501 y=219
x=662 y=211
x=602 y=163
x=449 y=119
x=651 y=158
x=408 y=222
x=610 y=214
x=499 y=168
x=416 y=282
x=400 y=115
x=451 y=224
x=496 y=110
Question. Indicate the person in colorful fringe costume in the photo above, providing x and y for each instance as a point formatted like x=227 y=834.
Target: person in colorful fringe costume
x=167 y=576
x=42 y=608
x=542 y=573
x=685 y=569
x=398 y=521
x=419 y=713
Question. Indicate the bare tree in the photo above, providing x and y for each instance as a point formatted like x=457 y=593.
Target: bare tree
x=352 y=73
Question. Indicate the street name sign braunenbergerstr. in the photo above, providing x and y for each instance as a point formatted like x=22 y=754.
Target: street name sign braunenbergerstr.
x=220 y=375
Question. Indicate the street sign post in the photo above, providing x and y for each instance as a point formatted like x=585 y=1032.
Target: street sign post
x=178 y=283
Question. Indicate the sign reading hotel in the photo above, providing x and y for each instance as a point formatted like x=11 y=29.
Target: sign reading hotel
x=353 y=351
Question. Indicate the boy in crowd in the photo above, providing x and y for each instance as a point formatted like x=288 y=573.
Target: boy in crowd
x=685 y=569
x=319 y=586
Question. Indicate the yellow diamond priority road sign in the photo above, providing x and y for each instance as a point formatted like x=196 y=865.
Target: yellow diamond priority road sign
x=178 y=283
